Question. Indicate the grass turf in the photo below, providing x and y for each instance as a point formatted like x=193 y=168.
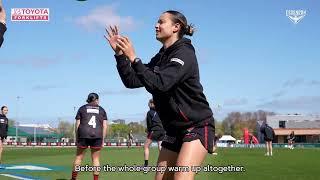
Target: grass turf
x=284 y=164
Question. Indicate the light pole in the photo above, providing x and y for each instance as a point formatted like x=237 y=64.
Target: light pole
x=17 y=123
x=74 y=125
x=35 y=133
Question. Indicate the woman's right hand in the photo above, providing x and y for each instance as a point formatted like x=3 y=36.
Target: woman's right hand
x=2 y=13
x=112 y=37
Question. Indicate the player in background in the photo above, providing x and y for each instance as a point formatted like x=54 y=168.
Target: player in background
x=3 y=128
x=291 y=139
x=3 y=26
x=215 y=146
x=130 y=138
x=154 y=129
x=250 y=142
x=269 y=135
x=91 y=129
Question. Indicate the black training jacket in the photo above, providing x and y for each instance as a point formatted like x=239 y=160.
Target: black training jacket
x=3 y=125
x=153 y=121
x=172 y=77
x=267 y=131
x=3 y=29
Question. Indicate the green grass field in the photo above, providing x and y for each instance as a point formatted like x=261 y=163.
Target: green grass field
x=285 y=164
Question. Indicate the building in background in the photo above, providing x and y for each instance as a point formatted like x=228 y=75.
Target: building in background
x=33 y=133
x=306 y=127
x=119 y=121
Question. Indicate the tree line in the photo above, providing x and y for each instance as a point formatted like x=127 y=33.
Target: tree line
x=232 y=125
x=235 y=122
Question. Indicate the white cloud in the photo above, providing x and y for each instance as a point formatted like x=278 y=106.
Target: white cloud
x=235 y=102
x=44 y=87
x=302 y=103
x=104 y=16
x=294 y=82
x=314 y=83
x=279 y=94
x=300 y=82
x=37 y=62
x=121 y=92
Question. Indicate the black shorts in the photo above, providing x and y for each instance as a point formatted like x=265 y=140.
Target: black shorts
x=173 y=140
x=84 y=143
x=156 y=135
x=267 y=139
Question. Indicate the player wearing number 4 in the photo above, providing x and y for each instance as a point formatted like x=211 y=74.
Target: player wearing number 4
x=91 y=129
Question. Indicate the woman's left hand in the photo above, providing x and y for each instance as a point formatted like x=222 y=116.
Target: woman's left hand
x=127 y=48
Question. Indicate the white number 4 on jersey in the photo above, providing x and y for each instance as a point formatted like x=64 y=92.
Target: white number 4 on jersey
x=92 y=122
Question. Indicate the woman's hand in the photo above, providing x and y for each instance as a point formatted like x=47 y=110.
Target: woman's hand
x=2 y=13
x=113 y=35
x=126 y=47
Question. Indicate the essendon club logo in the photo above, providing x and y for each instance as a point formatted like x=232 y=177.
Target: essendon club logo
x=296 y=15
x=30 y=14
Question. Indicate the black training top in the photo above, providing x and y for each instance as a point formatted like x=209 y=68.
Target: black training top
x=3 y=29
x=130 y=136
x=153 y=121
x=267 y=131
x=172 y=77
x=291 y=136
x=3 y=125
x=91 y=121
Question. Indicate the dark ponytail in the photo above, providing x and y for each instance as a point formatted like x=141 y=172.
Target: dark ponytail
x=92 y=97
x=151 y=104
x=189 y=30
x=178 y=17
x=3 y=107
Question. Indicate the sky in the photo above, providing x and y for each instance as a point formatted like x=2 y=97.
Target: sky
x=251 y=56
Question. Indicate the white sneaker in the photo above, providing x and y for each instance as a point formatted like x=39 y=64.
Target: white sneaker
x=214 y=154
x=266 y=154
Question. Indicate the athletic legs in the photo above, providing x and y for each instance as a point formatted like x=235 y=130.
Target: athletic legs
x=187 y=158
x=1 y=149
x=166 y=158
x=77 y=162
x=95 y=156
x=146 y=151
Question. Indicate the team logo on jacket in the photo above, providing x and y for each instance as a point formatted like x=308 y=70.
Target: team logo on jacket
x=190 y=135
x=296 y=15
x=177 y=60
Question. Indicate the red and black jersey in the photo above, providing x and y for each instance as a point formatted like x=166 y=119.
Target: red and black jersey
x=91 y=121
x=3 y=125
